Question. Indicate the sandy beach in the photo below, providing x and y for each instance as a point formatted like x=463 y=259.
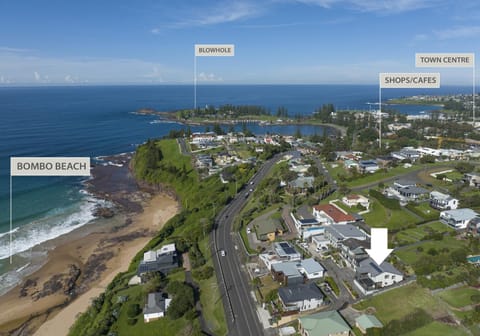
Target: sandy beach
x=43 y=304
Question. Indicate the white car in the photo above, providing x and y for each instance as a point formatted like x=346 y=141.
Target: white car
x=222 y=253
x=249 y=230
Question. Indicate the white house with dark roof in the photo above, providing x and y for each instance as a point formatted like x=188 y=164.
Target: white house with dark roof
x=300 y=297
x=162 y=260
x=354 y=251
x=441 y=201
x=370 y=276
x=155 y=307
x=458 y=218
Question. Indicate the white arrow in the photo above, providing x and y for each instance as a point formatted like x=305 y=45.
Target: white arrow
x=379 y=250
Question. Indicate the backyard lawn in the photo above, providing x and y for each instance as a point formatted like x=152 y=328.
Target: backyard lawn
x=379 y=216
x=411 y=254
x=410 y=236
x=459 y=297
x=399 y=302
x=436 y=328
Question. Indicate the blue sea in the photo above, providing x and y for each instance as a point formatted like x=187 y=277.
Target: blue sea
x=101 y=120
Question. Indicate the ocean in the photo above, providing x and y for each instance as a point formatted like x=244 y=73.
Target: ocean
x=101 y=120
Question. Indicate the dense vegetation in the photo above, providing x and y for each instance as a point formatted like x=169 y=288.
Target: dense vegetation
x=160 y=163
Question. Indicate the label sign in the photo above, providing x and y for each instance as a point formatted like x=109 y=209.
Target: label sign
x=50 y=166
x=409 y=80
x=214 y=50
x=445 y=60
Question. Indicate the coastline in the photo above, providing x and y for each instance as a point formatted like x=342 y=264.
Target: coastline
x=82 y=263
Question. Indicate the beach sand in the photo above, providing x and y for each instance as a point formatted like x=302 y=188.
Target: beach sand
x=107 y=252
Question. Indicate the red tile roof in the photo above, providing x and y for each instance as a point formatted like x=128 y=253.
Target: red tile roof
x=334 y=213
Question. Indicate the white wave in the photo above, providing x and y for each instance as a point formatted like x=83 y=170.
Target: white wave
x=50 y=227
x=22 y=268
x=8 y=232
x=110 y=163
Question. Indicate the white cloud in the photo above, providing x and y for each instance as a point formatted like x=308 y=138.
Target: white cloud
x=457 y=32
x=25 y=69
x=4 y=80
x=204 y=77
x=154 y=75
x=224 y=12
x=13 y=50
x=378 y=6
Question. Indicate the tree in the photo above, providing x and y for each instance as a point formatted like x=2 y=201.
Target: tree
x=133 y=310
x=218 y=129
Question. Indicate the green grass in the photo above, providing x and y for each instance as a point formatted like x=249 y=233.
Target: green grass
x=379 y=216
x=399 y=302
x=411 y=255
x=410 y=236
x=212 y=304
x=136 y=295
x=459 y=297
x=436 y=328
x=426 y=211
x=267 y=285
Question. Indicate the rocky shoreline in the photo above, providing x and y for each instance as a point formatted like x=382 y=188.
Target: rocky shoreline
x=87 y=255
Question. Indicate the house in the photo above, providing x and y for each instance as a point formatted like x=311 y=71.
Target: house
x=369 y=276
x=385 y=161
x=331 y=214
x=162 y=260
x=294 y=272
x=268 y=228
x=306 y=224
x=335 y=234
x=368 y=166
x=202 y=138
x=321 y=243
x=406 y=154
x=406 y=191
x=311 y=269
x=156 y=307
x=327 y=323
x=349 y=164
x=204 y=161
x=280 y=252
x=411 y=193
x=442 y=201
x=287 y=273
x=354 y=251
x=365 y=321
x=301 y=184
x=458 y=218
x=355 y=199
x=400 y=183
x=474 y=226
x=300 y=297
x=473 y=180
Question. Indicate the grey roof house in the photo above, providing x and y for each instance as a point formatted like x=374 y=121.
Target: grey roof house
x=300 y=297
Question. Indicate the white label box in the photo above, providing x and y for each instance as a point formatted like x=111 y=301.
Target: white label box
x=444 y=60
x=409 y=80
x=214 y=50
x=50 y=166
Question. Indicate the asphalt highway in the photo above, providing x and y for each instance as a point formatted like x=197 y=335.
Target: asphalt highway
x=234 y=283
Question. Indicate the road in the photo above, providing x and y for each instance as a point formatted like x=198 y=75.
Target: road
x=234 y=283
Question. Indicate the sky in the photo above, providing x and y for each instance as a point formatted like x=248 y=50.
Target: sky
x=276 y=41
